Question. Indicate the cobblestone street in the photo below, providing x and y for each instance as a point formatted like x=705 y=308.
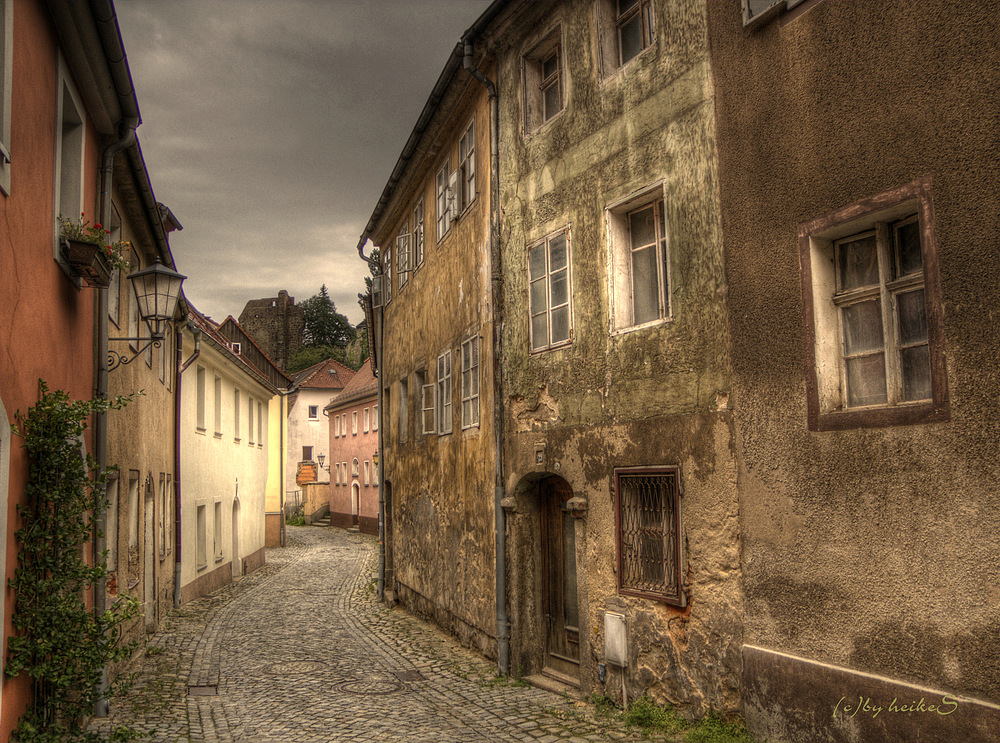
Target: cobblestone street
x=301 y=651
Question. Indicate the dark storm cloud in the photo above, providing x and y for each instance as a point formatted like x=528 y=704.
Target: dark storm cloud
x=270 y=128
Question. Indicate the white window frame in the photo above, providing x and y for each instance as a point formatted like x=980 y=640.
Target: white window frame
x=250 y=419
x=403 y=255
x=642 y=10
x=545 y=280
x=368 y=473
x=367 y=420
x=444 y=402
x=313 y=412
x=825 y=302
x=443 y=199
x=470 y=382
x=467 y=167
x=354 y=423
x=70 y=151
x=387 y=275
x=536 y=83
x=374 y=417
x=621 y=251
x=418 y=234
x=428 y=404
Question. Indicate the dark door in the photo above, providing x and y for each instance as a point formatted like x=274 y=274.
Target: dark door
x=559 y=595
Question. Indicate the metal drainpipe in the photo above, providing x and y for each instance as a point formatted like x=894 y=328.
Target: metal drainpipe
x=181 y=366
x=380 y=467
x=503 y=639
x=101 y=429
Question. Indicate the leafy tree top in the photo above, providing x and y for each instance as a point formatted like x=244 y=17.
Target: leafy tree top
x=324 y=326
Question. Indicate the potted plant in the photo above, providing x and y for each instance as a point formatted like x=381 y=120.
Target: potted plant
x=86 y=249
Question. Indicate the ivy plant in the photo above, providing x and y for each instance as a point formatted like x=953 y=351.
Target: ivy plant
x=60 y=643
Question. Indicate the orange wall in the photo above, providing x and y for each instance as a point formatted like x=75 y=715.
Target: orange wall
x=46 y=322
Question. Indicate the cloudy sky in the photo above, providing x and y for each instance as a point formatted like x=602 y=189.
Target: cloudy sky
x=270 y=128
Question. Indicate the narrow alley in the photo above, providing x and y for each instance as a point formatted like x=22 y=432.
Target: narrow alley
x=301 y=651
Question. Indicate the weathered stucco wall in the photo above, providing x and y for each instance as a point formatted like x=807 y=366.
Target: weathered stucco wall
x=442 y=486
x=652 y=396
x=141 y=544
x=872 y=549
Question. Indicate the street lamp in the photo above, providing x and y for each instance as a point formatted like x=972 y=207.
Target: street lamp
x=375 y=458
x=322 y=458
x=157 y=289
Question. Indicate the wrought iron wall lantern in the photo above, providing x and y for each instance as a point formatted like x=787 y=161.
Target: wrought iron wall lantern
x=156 y=290
x=322 y=458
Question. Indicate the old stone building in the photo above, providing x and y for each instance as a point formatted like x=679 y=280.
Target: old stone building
x=860 y=213
x=739 y=302
x=275 y=324
x=620 y=475
x=436 y=372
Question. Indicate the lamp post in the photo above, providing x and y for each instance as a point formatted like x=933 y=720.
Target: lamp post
x=157 y=289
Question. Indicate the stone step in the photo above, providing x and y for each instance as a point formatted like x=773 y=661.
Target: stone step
x=555 y=682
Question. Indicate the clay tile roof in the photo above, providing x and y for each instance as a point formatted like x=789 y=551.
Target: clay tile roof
x=329 y=374
x=363 y=384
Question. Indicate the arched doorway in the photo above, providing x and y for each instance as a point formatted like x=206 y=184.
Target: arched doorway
x=237 y=556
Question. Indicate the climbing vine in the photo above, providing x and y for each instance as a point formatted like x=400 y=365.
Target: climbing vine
x=58 y=642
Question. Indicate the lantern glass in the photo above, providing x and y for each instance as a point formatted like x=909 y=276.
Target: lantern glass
x=157 y=289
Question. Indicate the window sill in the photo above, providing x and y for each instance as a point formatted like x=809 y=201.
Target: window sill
x=203 y=566
x=633 y=328
x=218 y=435
x=884 y=417
x=236 y=441
x=218 y=558
x=553 y=347
x=202 y=431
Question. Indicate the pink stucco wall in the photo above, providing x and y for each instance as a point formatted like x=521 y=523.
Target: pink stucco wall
x=345 y=447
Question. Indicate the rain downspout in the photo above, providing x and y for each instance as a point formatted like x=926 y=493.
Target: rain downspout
x=101 y=429
x=179 y=367
x=503 y=640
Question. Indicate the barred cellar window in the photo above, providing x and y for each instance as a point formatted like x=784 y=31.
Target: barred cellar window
x=649 y=534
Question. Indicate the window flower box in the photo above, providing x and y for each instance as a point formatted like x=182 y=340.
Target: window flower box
x=89 y=260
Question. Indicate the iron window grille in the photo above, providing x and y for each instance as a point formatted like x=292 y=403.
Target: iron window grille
x=649 y=534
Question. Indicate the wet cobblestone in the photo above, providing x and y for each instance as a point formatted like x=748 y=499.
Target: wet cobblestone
x=301 y=651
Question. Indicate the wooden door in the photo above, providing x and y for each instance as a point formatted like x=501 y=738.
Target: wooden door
x=559 y=590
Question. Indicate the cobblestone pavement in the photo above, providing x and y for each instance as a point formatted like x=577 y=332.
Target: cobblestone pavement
x=301 y=652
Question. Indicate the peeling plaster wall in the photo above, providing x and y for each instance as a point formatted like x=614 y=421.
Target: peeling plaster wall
x=871 y=549
x=442 y=540
x=653 y=396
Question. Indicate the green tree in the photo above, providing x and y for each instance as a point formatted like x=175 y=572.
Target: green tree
x=324 y=326
x=309 y=355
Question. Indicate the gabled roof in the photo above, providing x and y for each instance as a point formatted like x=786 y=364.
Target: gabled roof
x=235 y=333
x=362 y=385
x=329 y=374
x=210 y=333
